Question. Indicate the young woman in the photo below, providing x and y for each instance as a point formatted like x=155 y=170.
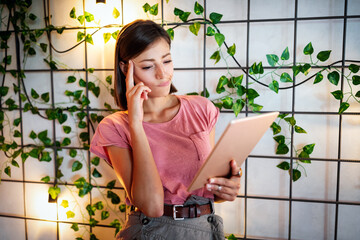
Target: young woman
x=159 y=141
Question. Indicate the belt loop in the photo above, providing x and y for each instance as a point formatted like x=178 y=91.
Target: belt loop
x=198 y=210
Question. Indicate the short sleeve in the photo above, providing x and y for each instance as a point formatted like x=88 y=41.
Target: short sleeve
x=109 y=132
x=212 y=114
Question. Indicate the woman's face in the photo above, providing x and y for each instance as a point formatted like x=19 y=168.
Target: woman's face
x=154 y=67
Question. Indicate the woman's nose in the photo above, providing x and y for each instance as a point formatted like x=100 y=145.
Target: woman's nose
x=160 y=71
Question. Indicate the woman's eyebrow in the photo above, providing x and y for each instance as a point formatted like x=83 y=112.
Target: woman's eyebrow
x=152 y=59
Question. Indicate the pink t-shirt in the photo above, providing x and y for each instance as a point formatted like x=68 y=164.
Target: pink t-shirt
x=179 y=146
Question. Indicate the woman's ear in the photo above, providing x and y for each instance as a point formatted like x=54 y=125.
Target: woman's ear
x=123 y=67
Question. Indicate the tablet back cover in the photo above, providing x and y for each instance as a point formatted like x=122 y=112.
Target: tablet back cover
x=237 y=141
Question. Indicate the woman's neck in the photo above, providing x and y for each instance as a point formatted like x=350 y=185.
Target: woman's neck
x=161 y=109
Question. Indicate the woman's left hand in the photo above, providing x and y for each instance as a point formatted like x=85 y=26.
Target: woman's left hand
x=226 y=189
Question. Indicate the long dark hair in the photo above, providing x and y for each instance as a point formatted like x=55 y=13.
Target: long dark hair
x=132 y=40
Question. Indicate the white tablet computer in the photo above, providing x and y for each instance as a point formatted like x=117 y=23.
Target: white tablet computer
x=236 y=142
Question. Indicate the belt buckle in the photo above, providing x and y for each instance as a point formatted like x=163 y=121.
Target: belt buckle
x=174 y=212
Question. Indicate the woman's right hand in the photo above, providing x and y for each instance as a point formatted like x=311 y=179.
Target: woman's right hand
x=135 y=95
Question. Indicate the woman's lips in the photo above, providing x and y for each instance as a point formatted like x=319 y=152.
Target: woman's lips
x=164 y=84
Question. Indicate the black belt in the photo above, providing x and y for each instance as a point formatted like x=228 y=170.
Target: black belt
x=179 y=212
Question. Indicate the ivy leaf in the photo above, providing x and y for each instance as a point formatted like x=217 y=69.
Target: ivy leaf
x=272 y=59
x=43 y=47
x=276 y=128
x=223 y=80
x=115 y=13
x=45 y=179
x=210 y=31
x=89 y=39
x=255 y=107
x=73 y=153
x=34 y=94
x=7 y=170
x=115 y=199
x=54 y=192
x=238 y=106
x=279 y=139
x=109 y=79
x=95 y=161
x=71 y=79
x=343 y=107
x=106 y=37
x=284 y=165
x=285 y=54
x=334 y=77
x=227 y=102
x=296 y=70
x=70 y=214
x=7 y=60
x=111 y=184
x=305 y=69
x=72 y=13
x=89 y=17
x=303 y=157
x=75 y=227
x=84 y=136
x=285 y=77
x=252 y=94
x=66 y=142
x=198 y=9
x=67 y=129
x=45 y=97
x=319 y=77
x=99 y=205
x=115 y=34
x=357 y=94
x=170 y=31
x=216 y=56
x=290 y=120
x=146 y=7
x=32 y=16
x=274 y=85
x=219 y=38
x=356 y=80
x=4 y=91
x=32 y=135
x=309 y=148
x=96 y=173
x=104 y=215
x=323 y=55
x=80 y=36
x=308 y=50
x=282 y=149
x=215 y=17
x=45 y=157
x=299 y=129
x=154 y=9
x=64 y=203
x=338 y=94
x=14 y=163
x=296 y=174
x=76 y=166
x=353 y=68
x=194 y=28
x=231 y=50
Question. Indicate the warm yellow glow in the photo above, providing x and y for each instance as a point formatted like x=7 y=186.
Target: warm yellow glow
x=103 y=13
x=40 y=206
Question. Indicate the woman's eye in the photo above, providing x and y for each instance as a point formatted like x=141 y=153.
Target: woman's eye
x=147 y=67
x=168 y=61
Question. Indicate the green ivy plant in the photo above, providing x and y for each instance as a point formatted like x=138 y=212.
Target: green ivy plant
x=235 y=96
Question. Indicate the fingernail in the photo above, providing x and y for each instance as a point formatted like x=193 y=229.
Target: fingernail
x=208 y=187
x=212 y=180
